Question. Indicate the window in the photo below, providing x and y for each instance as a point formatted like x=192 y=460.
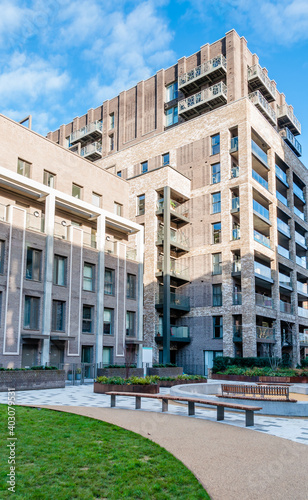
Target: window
x=49 y=179
x=216 y=203
x=107 y=356
x=111 y=142
x=111 y=120
x=131 y=286
x=108 y=321
x=171 y=116
x=2 y=249
x=144 y=167
x=23 y=168
x=87 y=319
x=58 y=316
x=217 y=295
x=141 y=204
x=88 y=277
x=215 y=173
x=76 y=191
x=216 y=228
x=215 y=144
x=119 y=173
x=171 y=91
x=59 y=270
x=109 y=281
x=165 y=159
x=217 y=263
x=33 y=264
x=96 y=199
x=117 y=208
x=0 y=308
x=68 y=141
x=217 y=327
x=31 y=312
x=130 y=323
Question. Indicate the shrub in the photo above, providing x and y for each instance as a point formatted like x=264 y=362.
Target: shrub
x=222 y=362
x=167 y=365
x=304 y=363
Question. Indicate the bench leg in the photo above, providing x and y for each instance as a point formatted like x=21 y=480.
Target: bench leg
x=220 y=413
x=112 y=401
x=191 y=408
x=164 y=405
x=138 y=402
x=249 y=418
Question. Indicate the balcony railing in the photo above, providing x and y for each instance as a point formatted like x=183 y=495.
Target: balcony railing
x=36 y=222
x=3 y=212
x=236 y=266
x=283 y=252
x=281 y=175
x=131 y=253
x=302 y=312
x=283 y=227
x=258 y=152
x=286 y=307
x=236 y=234
x=260 y=210
x=282 y=198
x=299 y=192
x=261 y=238
x=177 y=269
x=263 y=301
x=92 y=150
x=93 y=129
x=176 y=300
x=259 y=179
x=286 y=117
x=302 y=287
x=284 y=280
x=265 y=333
x=235 y=172
x=60 y=231
x=257 y=78
x=217 y=91
x=303 y=338
x=237 y=333
x=234 y=145
x=235 y=204
x=289 y=138
x=110 y=246
x=89 y=239
x=262 y=104
x=301 y=261
x=237 y=298
x=300 y=239
x=176 y=237
x=203 y=70
x=262 y=270
x=299 y=214
x=178 y=208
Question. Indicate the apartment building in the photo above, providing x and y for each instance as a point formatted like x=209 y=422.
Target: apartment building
x=71 y=263
x=210 y=151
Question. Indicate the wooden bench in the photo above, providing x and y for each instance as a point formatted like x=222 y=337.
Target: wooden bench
x=249 y=410
x=256 y=392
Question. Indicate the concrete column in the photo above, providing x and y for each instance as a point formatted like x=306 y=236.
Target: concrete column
x=166 y=275
x=50 y=205
x=140 y=257
x=100 y=239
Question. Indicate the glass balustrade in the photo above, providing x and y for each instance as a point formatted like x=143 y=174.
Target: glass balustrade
x=259 y=179
x=236 y=234
x=261 y=238
x=236 y=203
x=260 y=209
x=299 y=214
x=283 y=227
x=299 y=238
x=282 y=198
x=237 y=298
x=302 y=287
x=262 y=270
x=301 y=261
x=302 y=312
x=299 y=192
x=179 y=208
x=284 y=280
x=36 y=222
x=266 y=333
x=281 y=175
x=263 y=301
x=234 y=144
x=285 y=307
x=235 y=172
x=236 y=266
x=283 y=252
x=257 y=151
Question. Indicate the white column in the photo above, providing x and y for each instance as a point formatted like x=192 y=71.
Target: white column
x=100 y=241
x=140 y=257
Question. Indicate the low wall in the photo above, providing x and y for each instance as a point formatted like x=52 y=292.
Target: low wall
x=171 y=371
x=145 y=389
x=119 y=372
x=246 y=378
x=171 y=383
x=29 y=380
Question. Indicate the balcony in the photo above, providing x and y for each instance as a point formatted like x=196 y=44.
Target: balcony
x=263 y=301
x=205 y=100
x=281 y=175
x=178 y=211
x=263 y=272
x=265 y=334
x=177 y=334
x=237 y=333
x=302 y=288
x=110 y=246
x=300 y=240
x=259 y=179
x=236 y=267
x=299 y=192
x=92 y=151
x=261 y=211
x=257 y=79
x=291 y=141
x=178 y=240
x=259 y=153
x=263 y=106
x=236 y=234
x=235 y=172
x=209 y=71
x=89 y=239
x=283 y=252
x=177 y=270
x=36 y=222
x=234 y=145
x=261 y=238
x=92 y=131
x=237 y=298
x=235 y=204
x=285 y=307
x=285 y=281
x=177 y=301
x=303 y=339
x=283 y=228
x=302 y=312
x=286 y=118
x=60 y=231
x=299 y=214
x=282 y=198
x=301 y=261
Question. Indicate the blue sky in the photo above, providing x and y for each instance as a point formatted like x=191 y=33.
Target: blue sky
x=58 y=58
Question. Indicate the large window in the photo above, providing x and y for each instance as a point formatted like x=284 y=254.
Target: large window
x=76 y=191
x=58 y=316
x=131 y=286
x=33 y=264
x=49 y=179
x=108 y=321
x=59 y=270
x=217 y=327
x=2 y=249
x=215 y=144
x=216 y=230
x=216 y=207
x=109 y=281
x=217 y=263
x=87 y=319
x=88 y=277
x=144 y=167
x=171 y=91
x=217 y=295
x=130 y=323
x=23 y=167
x=140 y=204
x=171 y=116
x=32 y=312
x=215 y=173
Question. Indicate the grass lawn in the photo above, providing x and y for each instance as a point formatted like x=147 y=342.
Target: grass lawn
x=64 y=457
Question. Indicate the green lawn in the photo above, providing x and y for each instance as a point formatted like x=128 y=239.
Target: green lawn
x=65 y=457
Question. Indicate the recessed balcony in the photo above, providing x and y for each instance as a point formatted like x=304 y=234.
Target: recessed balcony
x=205 y=100
x=283 y=228
x=179 y=212
x=265 y=334
x=263 y=272
x=285 y=307
x=299 y=192
x=209 y=71
x=261 y=238
x=258 y=80
x=263 y=106
x=300 y=240
x=178 y=272
x=261 y=211
x=301 y=261
x=303 y=339
x=263 y=301
x=92 y=131
x=237 y=333
x=178 y=241
x=282 y=176
x=302 y=288
x=237 y=298
x=177 y=334
x=178 y=302
x=302 y=312
x=92 y=151
x=291 y=141
x=286 y=118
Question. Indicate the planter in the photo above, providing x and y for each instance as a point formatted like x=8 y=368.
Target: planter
x=28 y=380
x=172 y=383
x=78 y=376
x=172 y=371
x=261 y=378
x=145 y=389
x=119 y=372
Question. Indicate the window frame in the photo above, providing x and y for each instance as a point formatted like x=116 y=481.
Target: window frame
x=131 y=286
x=88 y=321
x=117 y=207
x=111 y=323
x=217 y=266
x=165 y=156
x=215 y=176
x=111 y=142
x=130 y=330
x=144 y=167
x=111 y=116
x=80 y=191
x=34 y=322
x=216 y=203
x=172 y=89
x=171 y=116
x=99 y=199
x=56 y=259
x=34 y=252
x=141 y=204
x=2 y=256
x=21 y=166
x=215 y=296
x=46 y=179
x=87 y=279
x=215 y=144
x=54 y=317
x=216 y=233
x=218 y=326
x=112 y=283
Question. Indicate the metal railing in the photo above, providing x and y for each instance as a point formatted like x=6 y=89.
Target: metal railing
x=203 y=96
x=256 y=70
x=202 y=70
x=266 y=333
x=258 y=152
x=286 y=307
x=237 y=333
x=284 y=110
x=281 y=175
x=264 y=301
x=261 y=238
x=260 y=209
x=282 y=226
x=259 y=179
x=257 y=99
x=303 y=338
x=87 y=130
